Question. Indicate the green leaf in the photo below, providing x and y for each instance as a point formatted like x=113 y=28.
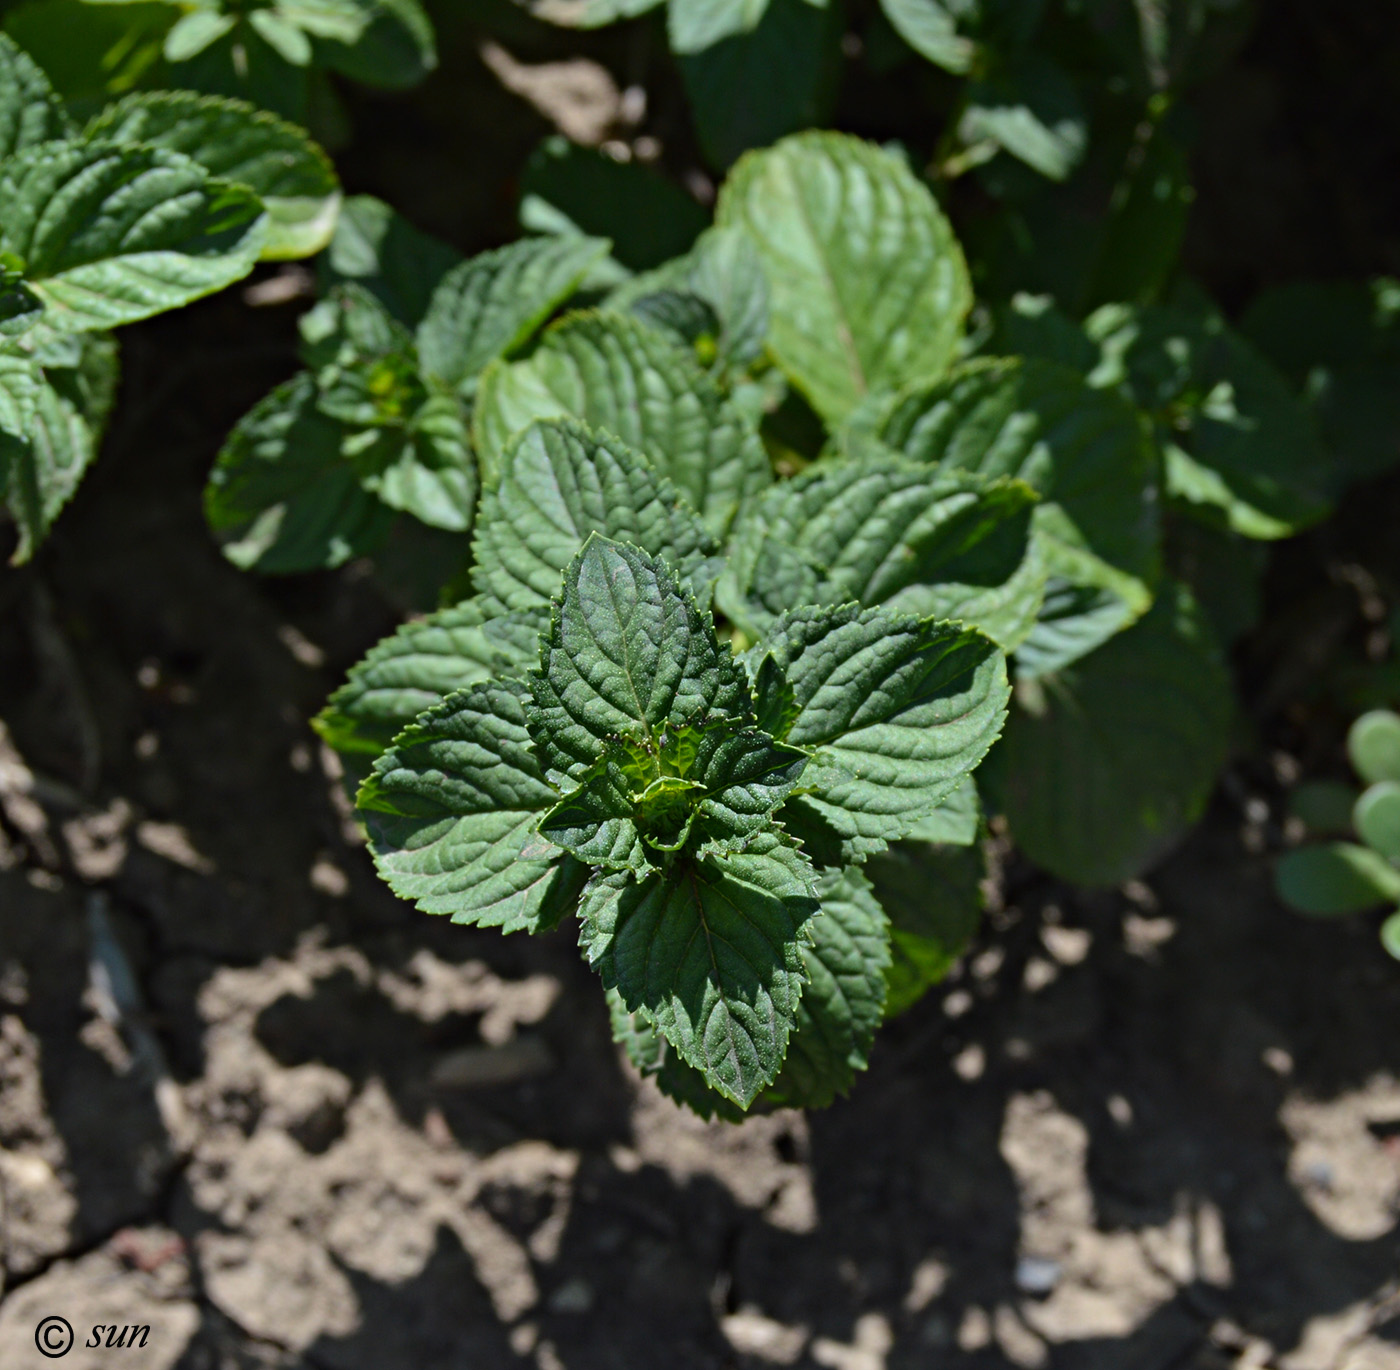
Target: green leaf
x=869 y=287
x=395 y=51
x=718 y=784
x=933 y=897
x=628 y=656
x=895 y=711
x=931 y=29
x=1336 y=878
x=1239 y=447
x=1084 y=451
x=1378 y=818
x=110 y=234
x=426 y=470
x=30 y=112
x=750 y=89
x=1035 y=326
x=418 y=666
x=1108 y=761
x=694 y=25
x=1324 y=806
x=338 y=21
x=489 y=306
x=844 y=1001
x=616 y=374
x=654 y=1057
x=1390 y=935
x=20 y=379
x=1030 y=109
x=383 y=252
x=726 y=272
x=1141 y=242
x=282 y=35
x=230 y=139
x=194 y=32
x=363 y=359
x=575 y=191
x=282 y=496
x=956 y=821
x=711 y=953
x=1339 y=343
x=885 y=531
x=1373 y=744
x=40 y=471
x=560 y=482
x=452 y=809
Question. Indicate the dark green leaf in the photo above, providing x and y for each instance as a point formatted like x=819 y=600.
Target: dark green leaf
x=559 y=483
x=452 y=809
x=489 y=306
x=1108 y=761
x=617 y=375
x=629 y=656
x=844 y=1001
x=711 y=953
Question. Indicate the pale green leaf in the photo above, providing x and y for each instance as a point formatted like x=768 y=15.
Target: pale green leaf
x=896 y=712
x=628 y=656
x=490 y=305
x=20 y=379
x=618 y=375
x=1030 y=109
x=711 y=954
x=1373 y=745
x=283 y=35
x=559 y=483
x=452 y=809
x=194 y=32
x=932 y=31
x=230 y=139
x=110 y=234
x=694 y=25
x=869 y=287
x=844 y=1001
x=955 y=822
x=1105 y=763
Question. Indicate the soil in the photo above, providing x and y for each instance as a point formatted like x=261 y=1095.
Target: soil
x=251 y=1102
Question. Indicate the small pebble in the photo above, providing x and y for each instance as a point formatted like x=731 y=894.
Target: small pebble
x=1036 y=1275
x=573 y=1296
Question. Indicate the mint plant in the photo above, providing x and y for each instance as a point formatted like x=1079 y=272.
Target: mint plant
x=374 y=432
x=273 y=52
x=699 y=807
x=742 y=527
x=157 y=201
x=1344 y=877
